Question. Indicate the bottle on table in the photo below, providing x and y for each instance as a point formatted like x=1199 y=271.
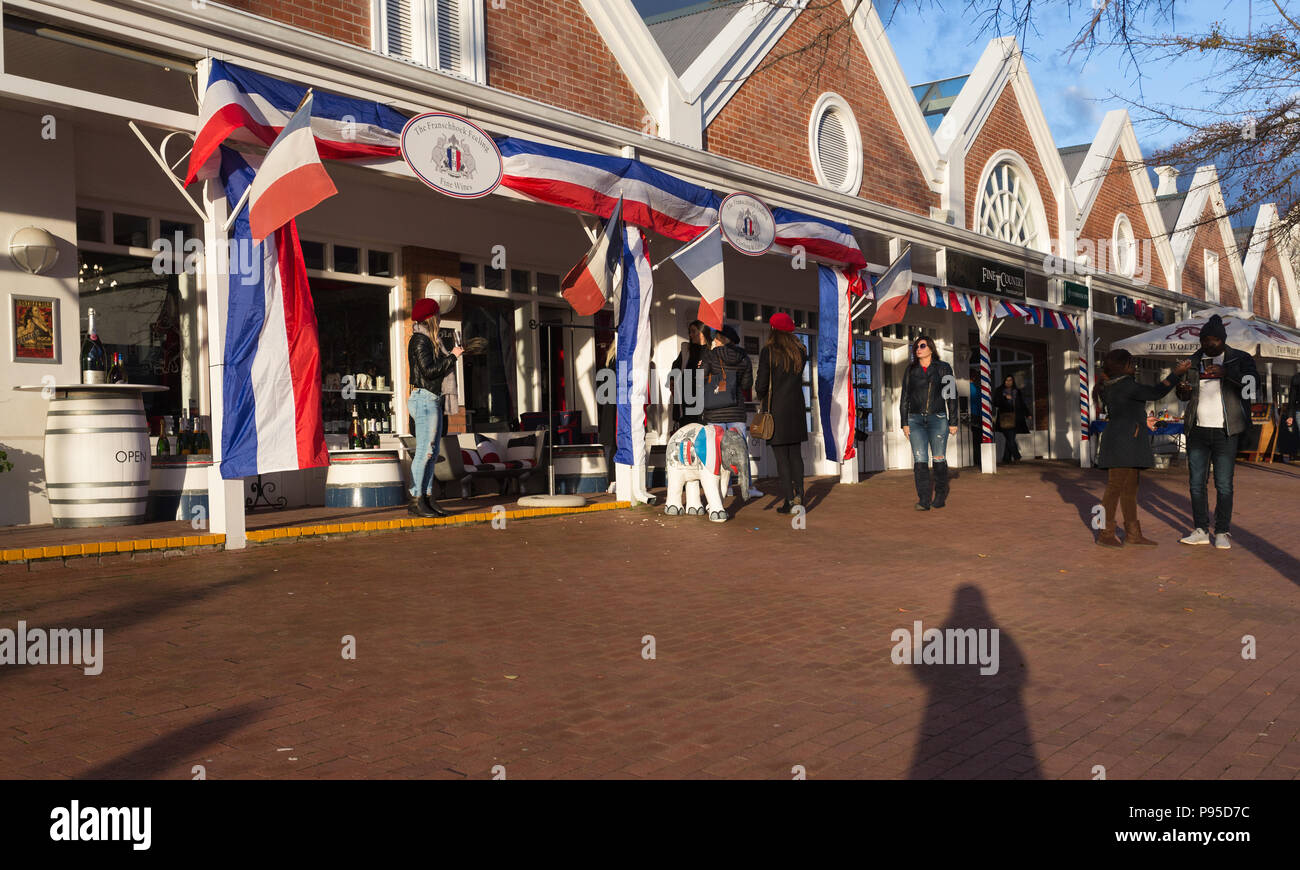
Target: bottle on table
x=183 y=438
x=164 y=443
x=94 y=360
x=203 y=445
x=354 y=431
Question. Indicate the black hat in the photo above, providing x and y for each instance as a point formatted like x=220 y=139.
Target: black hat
x=729 y=332
x=1214 y=326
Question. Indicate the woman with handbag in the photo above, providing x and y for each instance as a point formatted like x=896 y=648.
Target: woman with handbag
x=1012 y=416
x=780 y=386
x=1126 y=443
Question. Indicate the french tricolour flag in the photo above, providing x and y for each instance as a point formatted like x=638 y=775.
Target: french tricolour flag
x=834 y=366
x=819 y=237
x=701 y=262
x=252 y=107
x=271 y=418
x=893 y=291
x=591 y=283
x=292 y=179
x=632 y=309
x=593 y=183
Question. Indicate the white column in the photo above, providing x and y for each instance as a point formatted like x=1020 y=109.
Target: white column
x=225 y=497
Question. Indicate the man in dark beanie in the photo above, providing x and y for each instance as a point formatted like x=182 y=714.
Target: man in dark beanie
x=1223 y=387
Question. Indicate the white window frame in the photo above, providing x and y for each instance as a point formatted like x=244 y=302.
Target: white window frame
x=1123 y=246
x=1212 y=293
x=424 y=44
x=1274 y=300
x=833 y=102
x=1033 y=200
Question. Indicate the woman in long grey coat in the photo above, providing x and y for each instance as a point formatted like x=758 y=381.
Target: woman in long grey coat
x=1126 y=442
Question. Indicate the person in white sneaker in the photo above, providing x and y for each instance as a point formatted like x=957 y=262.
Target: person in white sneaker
x=1217 y=414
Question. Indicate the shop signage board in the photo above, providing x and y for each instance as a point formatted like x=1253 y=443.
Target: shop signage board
x=985 y=276
x=1076 y=294
x=452 y=155
x=747 y=224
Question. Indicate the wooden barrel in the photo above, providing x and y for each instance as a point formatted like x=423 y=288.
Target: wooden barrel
x=97 y=461
x=178 y=485
x=364 y=478
x=580 y=468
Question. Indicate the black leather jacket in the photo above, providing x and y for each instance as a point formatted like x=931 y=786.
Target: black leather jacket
x=923 y=391
x=426 y=367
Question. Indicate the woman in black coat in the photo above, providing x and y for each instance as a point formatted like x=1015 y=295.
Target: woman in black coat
x=780 y=371
x=1009 y=399
x=1126 y=441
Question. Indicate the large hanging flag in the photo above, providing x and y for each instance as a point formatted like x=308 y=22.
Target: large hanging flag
x=593 y=183
x=633 y=349
x=834 y=367
x=819 y=237
x=701 y=261
x=292 y=179
x=893 y=291
x=271 y=415
x=590 y=284
x=251 y=107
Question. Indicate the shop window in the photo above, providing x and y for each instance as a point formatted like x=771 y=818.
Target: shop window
x=347 y=259
x=494 y=279
x=446 y=35
x=547 y=284
x=468 y=276
x=142 y=316
x=131 y=230
x=489 y=376
x=352 y=326
x=768 y=312
x=731 y=309
x=90 y=225
x=313 y=254
x=379 y=264
x=750 y=311
x=1008 y=207
x=835 y=144
x=520 y=281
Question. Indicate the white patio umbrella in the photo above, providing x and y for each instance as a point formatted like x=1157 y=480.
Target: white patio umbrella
x=1244 y=333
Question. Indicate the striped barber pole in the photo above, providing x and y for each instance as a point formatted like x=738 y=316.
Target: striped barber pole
x=1084 y=407
x=986 y=395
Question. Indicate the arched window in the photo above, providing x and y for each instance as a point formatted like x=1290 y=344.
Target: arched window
x=1008 y=206
x=835 y=144
x=1274 y=300
x=1124 y=248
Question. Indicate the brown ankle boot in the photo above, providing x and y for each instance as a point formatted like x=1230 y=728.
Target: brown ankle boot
x=1133 y=535
x=1107 y=536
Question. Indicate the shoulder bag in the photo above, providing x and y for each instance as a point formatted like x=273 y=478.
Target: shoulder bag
x=764 y=424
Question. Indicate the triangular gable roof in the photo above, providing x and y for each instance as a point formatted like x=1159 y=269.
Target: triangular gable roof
x=683 y=35
x=999 y=65
x=1116 y=132
x=1205 y=190
x=1263 y=235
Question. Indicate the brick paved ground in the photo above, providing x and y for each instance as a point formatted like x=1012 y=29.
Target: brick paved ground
x=523 y=647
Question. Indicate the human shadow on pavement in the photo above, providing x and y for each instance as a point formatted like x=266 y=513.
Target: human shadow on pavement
x=975 y=724
x=180 y=746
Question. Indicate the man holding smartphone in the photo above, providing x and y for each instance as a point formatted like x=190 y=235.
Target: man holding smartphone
x=1218 y=413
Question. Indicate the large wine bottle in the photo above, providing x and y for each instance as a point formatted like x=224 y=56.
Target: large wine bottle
x=94 y=361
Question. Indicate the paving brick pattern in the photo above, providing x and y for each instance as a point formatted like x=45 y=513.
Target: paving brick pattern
x=525 y=647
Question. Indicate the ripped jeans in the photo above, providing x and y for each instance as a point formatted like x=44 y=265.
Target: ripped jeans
x=929 y=436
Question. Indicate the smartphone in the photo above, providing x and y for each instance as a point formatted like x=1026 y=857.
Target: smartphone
x=458 y=341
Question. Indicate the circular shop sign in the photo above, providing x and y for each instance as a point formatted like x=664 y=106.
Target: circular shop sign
x=452 y=155
x=747 y=224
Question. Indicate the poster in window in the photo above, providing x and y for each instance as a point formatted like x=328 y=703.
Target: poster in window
x=35 y=325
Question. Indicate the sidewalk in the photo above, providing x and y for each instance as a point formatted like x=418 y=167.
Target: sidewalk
x=530 y=646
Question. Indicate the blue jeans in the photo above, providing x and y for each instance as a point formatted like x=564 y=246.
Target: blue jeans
x=1206 y=447
x=929 y=437
x=426 y=411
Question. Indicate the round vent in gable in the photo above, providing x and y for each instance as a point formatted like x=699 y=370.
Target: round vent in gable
x=835 y=144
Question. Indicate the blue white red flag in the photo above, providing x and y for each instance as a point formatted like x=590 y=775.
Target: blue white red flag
x=591 y=283
x=834 y=367
x=271 y=414
x=701 y=262
x=632 y=328
x=593 y=183
x=292 y=179
x=893 y=291
x=252 y=107
x=819 y=237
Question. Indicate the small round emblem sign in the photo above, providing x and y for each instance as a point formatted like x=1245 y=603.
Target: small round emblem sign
x=452 y=155
x=747 y=224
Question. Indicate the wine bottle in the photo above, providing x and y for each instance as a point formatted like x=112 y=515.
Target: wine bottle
x=354 y=431
x=186 y=447
x=164 y=444
x=94 y=361
x=204 y=445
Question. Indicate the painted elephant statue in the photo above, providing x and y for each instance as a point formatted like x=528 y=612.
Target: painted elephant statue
x=703 y=458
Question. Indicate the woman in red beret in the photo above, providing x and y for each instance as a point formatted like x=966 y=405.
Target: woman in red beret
x=780 y=375
x=429 y=363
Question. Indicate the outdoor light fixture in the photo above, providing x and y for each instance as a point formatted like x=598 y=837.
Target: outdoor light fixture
x=34 y=250
x=440 y=291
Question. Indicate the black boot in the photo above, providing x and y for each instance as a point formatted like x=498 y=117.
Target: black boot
x=416 y=508
x=432 y=507
x=921 y=471
x=940 y=484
